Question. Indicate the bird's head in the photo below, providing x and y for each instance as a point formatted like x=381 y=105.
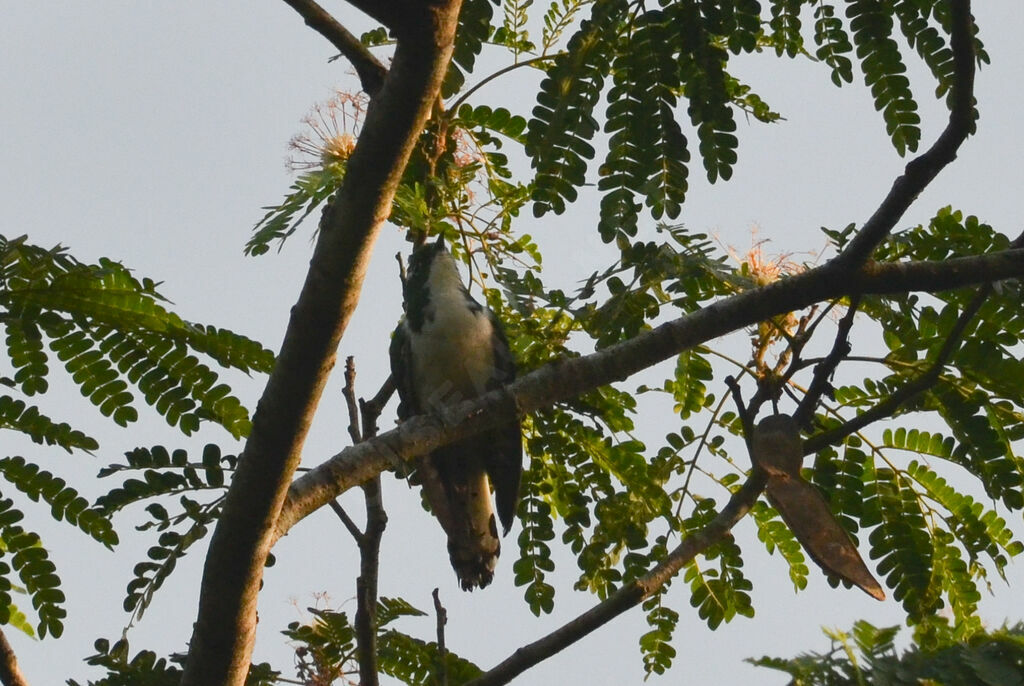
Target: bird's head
x=431 y=268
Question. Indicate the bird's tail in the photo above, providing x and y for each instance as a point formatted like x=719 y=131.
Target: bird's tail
x=460 y=498
x=473 y=544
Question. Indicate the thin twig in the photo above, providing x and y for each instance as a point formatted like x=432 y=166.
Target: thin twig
x=366 y=584
x=349 y=391
x=742 y=410
x=372 y=408
x=442 y=659
x=370 y=71
x=368 y=540
x=349 y=523
x=490 y=77
x=802 y=339
x=824 y=371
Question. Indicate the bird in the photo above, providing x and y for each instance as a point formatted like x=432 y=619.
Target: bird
x=448 y=348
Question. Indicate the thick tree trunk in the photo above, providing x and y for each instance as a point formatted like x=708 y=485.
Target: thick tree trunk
x=221 y=646
x=10 y=673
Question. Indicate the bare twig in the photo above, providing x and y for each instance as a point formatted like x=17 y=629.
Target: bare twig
x=501 y=72
x=827 y=367
x=442 y=659
x=349 y=523
x=366 y=584
x=349 y=391
x=742 y=410
x=368 y=540
x=10 y=673
x=372 y=408
x=371 y=72
x=631 y=594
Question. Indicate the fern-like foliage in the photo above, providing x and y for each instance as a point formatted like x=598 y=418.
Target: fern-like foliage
x=474 y=28
x=656 y=644
x=326 y=650
x=719 y=592
x=146 y=668
x=833 y=44
x=647 y=152
x=18 y=416
x=867 y=655
x=559 y=135
x=307 y=193
x=166 y=474
x=65 y=503
x=776 y=536
x=109 y=331
x=414 y=661
x=679 y=52
x=882 y=64
x=24 y=553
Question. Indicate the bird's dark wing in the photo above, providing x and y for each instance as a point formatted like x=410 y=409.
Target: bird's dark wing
x=401 y=372
x=504 y=455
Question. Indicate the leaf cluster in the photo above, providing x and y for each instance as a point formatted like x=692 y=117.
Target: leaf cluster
x=110 y=332
x=647 y=63
x=325 y=648
x=146 y=668
x=166 y=474
x=867 y=656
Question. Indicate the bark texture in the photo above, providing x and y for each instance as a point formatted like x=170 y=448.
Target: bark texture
x=221 y=646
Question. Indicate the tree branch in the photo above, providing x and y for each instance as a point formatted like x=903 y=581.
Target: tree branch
x=366 y=583
x=824 y=370
x=372 y=408
x=10 y=672
x=442 y=660
x=923 y=169
x=370 y=71
x=567 y=378
x=349 y=391
x=221 y=645
x=350 y=525
x=368 y=540
x=632 y=594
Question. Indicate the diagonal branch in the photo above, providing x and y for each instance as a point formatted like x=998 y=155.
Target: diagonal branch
x=632 y=594
x=567 y=378
x=923 y=169
x=826 y=368
x=371 y=72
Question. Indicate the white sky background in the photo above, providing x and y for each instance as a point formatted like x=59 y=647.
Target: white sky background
x=153 y=133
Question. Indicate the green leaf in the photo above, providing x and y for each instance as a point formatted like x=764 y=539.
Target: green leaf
x=871 y=22
x=65 y=503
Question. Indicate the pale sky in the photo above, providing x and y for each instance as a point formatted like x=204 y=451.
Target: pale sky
x=153 y=133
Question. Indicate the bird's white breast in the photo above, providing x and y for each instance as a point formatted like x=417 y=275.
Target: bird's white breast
x=453 y=353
